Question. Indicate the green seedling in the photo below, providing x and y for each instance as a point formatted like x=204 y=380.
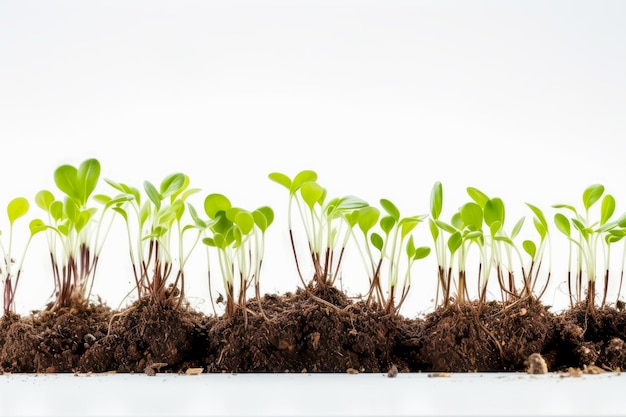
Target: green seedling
x=592 y=235
x=238 y=236
x=325 y=223
x=17 y=208
x=480 y=222
x=75 y=237
x=388 y=243
x=155 y=229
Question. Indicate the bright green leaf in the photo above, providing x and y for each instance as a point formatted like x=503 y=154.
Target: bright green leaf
x=607 y=209
x=530 y=248
x=592 y=194
x=367 y=217
x=17 y=208
x=281 y=179
x=563 y=224
x=390 y=208
x=215 y=203
x=472 y=216
x=478 y=196
x=436 y=200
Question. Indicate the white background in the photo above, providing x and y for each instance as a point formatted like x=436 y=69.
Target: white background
x=523 y=100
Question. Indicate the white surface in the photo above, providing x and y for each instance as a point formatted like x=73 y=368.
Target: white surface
x=312 y=395
x=523 y=100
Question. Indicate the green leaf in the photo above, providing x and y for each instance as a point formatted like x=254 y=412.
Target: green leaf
x=349 y=203
x=517 y=227
x=494 y=228
x=71 y=210
x=259 y=220
x=472 y=216
x=87 y=176
x=454 y=242
x=539 y=215
x=421 y=252
x=121 y=212
x=302 y=178
x=530 y=248
x=436 y=200
x=82 y=219
x=445 y=226
x=17 y=208
x=457 y=221
x=434 y=229
x=387 y=223
x=478 y=196
x=581 y=228
x=102 y=199
x=56 y=210
x=197 y=221
x=312 y=193
x=209 y=241
x=268 y=213
x=390 y=208
x=172 y=184
x=215 y=203
x=153 y=194
x=367 y=217
x=281 y=179
x=566 y=206
x=592 y=194
x=66 y=179
x=36 y=226
x=494 y=211
x=563 y=224
x=178 y=206
x=377 y=241
x=407 y=225
x=44 y=199
x=410 y=247
x=540 y=227
x=244 y=221
x=607 y=209
x=476 y=234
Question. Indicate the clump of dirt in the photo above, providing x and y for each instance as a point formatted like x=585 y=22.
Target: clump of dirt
x=148 y=336
x=474 y=337
x=304 y=332
x=52 y=341
x=592 y=338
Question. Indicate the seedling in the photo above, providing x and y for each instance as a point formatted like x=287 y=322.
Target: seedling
x=593 y=235
x=325 y=223
x=480 y=222
x=389 y=247
x=17 y=208
x=239 y=237
x=75 y=237
x=155 y=229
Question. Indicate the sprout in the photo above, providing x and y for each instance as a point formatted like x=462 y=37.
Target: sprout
x=239 y=237
x=592 y=235
x=389 y=247
x=74 y=235
x=326 y=224
x=155 y=229
x=17 y=208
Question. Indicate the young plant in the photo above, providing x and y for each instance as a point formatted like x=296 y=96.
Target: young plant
x=536 y=252
x=155 y=230
x=389 y=247
x=325 y=223
x=74 y=235
x=18 y=207
x=592 y=236
x=239 y=238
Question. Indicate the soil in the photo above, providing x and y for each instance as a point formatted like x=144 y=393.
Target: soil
x=312 y=331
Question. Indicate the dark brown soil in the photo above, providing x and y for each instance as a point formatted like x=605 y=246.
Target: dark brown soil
x=312 y=332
